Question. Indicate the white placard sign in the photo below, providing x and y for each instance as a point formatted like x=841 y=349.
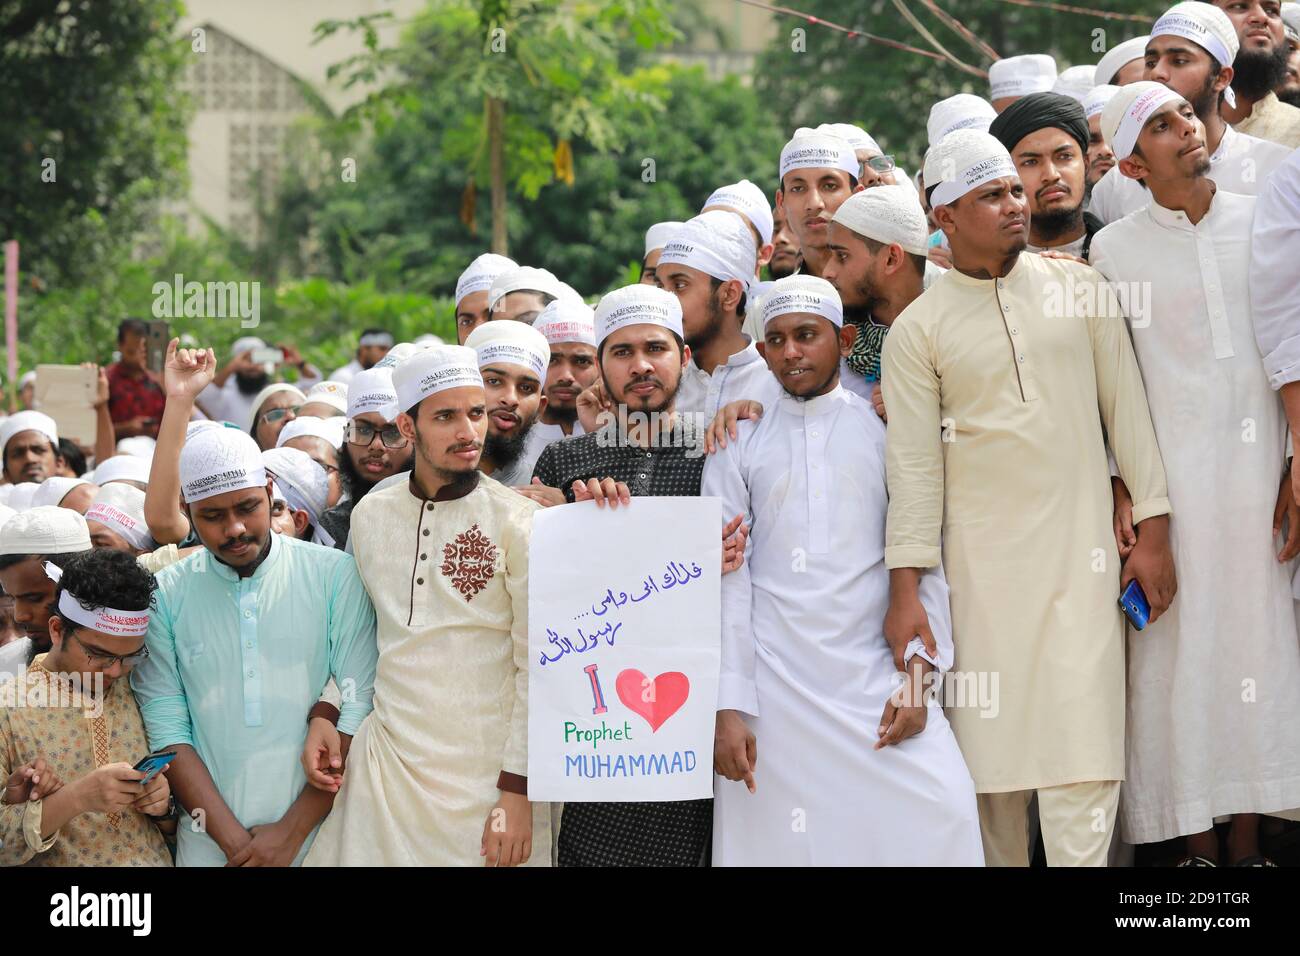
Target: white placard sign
x=624 y=637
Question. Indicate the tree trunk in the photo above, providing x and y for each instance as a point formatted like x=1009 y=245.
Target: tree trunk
x=496 y=157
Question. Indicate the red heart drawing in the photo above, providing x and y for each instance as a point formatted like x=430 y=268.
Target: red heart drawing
x=655 y=700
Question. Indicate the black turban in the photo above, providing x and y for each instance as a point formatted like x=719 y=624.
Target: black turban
x=1039 y=111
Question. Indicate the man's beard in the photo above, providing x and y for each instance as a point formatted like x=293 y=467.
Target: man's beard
x=504 y=450
x=355 y=482
x=780 y=272
x=1054 y=224
x=868 y=298
x=250 y=384
x=713 y=328
x=670 y=393
x=1290 y=96
x=1206 y=101
x=1256 y=73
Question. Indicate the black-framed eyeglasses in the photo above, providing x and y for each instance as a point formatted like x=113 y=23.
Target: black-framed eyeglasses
x=275 y=414
x=881 y=164
x=362 y=434
x=100 y=659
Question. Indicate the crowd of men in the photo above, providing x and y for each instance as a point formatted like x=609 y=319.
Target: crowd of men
x=978 y=404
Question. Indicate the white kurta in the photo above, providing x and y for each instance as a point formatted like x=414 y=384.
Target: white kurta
x=743 y=375
x=805 y=659
x=1273 y=267
x=1213 y=707
x=1241 y=164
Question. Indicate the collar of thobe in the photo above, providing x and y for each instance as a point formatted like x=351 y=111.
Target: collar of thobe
x=446 y=492
x=272 y=556
x=746 y=356
x=813 y=407
x=1229 y=134
x=1016 y=271
x=1176 y=218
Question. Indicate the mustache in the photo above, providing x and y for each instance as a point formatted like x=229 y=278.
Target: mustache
x=237 y=541
x=1068 y=190
x=470 y=446
x=506 y=413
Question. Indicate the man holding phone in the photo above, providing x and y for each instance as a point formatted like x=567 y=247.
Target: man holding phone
x=135 y=397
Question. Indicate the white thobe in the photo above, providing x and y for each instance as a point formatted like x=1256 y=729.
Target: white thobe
x=229 y=404
x=805 y=659
x=1213 y=710
x=1240 y=164
x=743 y=376
x=1275 y=291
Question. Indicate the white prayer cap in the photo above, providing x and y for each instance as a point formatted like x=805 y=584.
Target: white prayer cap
x=1124 y=116
x=27 y=378
x=218 y=460
x=810 y=149
x=20 y=499
x=333 y=394
x=6 y=513
x=372 y=391
x=305 y=484
x=569 y=294
x=857 y=137
x=657 y=236
x=28 y=421
x=717 y=243
x=398 y=354
x=266 y=393
x=246 y=344
x=376 y=338
x=45 y=530
x=1097 y=99
x=1021 y=75
x=1291 y=16
x=200 y=423
x=5 y=492
x=524 y=278
x=481 y=273
x=129 y=467
x=1208 y=27
x=434 y=369
x=960 y=111
x=121 y=509
x=965 y=160
x=329 y=430
x=888 y=214
x=1118 y=57
x=801 y=293
x=512 y=343
x=141 y=446
x=567 y=322
x=428 y=338
x=53 y=490
x=638 y=305
x=748 y=200
x=1075 y=81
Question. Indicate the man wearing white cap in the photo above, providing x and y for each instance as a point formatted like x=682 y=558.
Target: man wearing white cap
x=28 y=542
x=1188 y=51
x=438 y=773
x=1122 y=64
x=959 y=111
x=127 y=468
x=245 y=636
x=789 y=639
x=372 y=346
x=321 y=439
x=325 y=400
x=29 y=446
x=1100 y=157
x=472 y=291
x=522 y=293
x=231 y=394
x=512 y=358
x=656 y=237
x=1198 y=748
x=1075 y=81
x=1288 y=90
x=74 y=493
x=707 y=265
x=874 y=167
x=997 y=403
x=748 y=202
x=818 y=172
x=305 y=487
x=1015 y=76
x=1260 y=65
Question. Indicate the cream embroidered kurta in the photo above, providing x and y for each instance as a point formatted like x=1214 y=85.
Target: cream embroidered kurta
x=1214 y=684
x=1273 y=120
x=804 y=657
x=449 y=581
x=995 y=443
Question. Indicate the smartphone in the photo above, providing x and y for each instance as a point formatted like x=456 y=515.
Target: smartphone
x=159 y=336
x=1134 y=605
x=268 y=357
x=153 y=764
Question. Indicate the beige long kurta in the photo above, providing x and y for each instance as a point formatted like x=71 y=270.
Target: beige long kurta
x=449 y=581
x=997 y=392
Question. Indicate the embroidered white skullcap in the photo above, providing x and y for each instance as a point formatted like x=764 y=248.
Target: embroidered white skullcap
x=266 y=393
x=801 y=293
x=20 y=499
x=567 y=322
x=657 y=236
x=400 y=353
x=218 y=460
x=46 y=530
x=638 y=305
x=1097 y=99
x=1208 y=27
x=888 y=214
x=28 y=421
x=129 y=467
x=1118 y=57
x=569 y=294
x=53 y=490
x=857 y=137
x=512 y=343
x=1127 y=112
x=434 y=369
x=965 y=160
x=1075 y=81
x=303 y=482
x=525 y=278
x=481 y=273
x=141 y=446
x=333 y=394
x=328 y=430
x=1021 y=75
x=717 y=243
x=120 y=508
x=809 y=149
x=959 y=111
x=372 y=391
x=748 y=200
x=246 y=344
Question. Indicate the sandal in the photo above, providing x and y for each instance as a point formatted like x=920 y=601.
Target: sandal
x=1256 y=860
x=1199 y=861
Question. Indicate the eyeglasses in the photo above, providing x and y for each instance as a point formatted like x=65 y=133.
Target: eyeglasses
x=105 y=661
x=881 y=164
x=275 y=414
x=362 y=434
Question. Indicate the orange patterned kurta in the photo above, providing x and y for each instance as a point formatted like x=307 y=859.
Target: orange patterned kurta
x=35 y=722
